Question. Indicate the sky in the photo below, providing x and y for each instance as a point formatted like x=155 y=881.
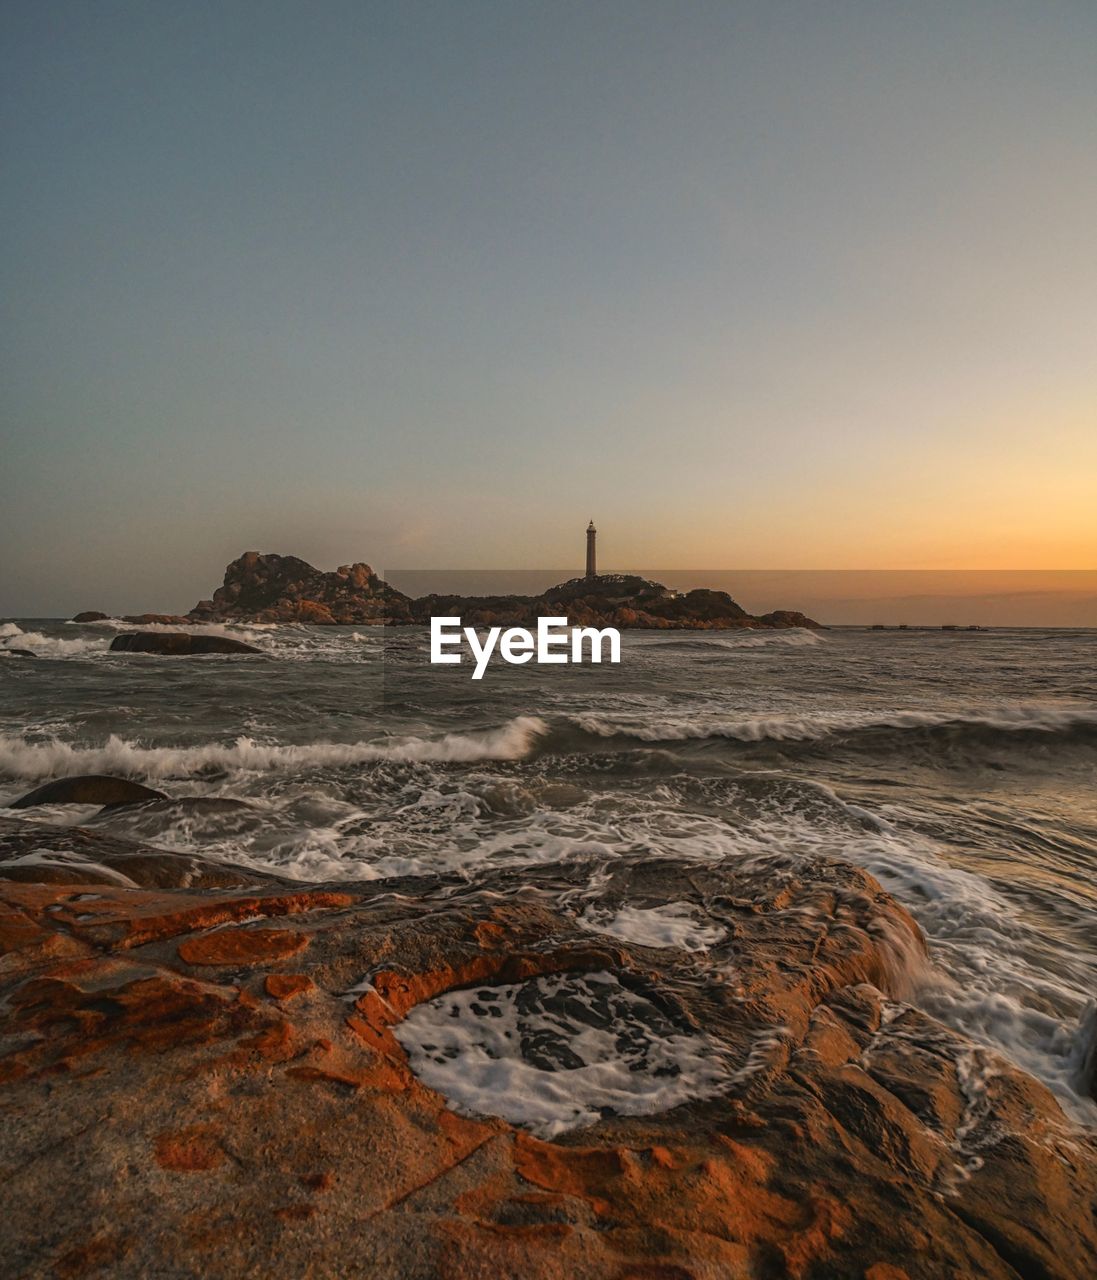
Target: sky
x=755 y=285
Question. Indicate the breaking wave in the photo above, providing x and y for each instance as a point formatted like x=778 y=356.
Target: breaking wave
x=30 y=760
x=522 y=737
x=12 y=636
x=791 y=637
x=1031 y=718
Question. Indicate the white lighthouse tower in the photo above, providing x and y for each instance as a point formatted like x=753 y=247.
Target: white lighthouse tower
x=592 y=533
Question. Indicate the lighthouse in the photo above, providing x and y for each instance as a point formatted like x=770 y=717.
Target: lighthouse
x=592 y=533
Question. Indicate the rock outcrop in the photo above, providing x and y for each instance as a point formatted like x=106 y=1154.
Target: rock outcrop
x=612 y=600
x=785 y=618
x=157 y=619
x=140 y=619
x=175 y=644
x=209 y=1083
x=272 y=588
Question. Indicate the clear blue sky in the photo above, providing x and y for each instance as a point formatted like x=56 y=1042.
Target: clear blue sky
x=753 y=284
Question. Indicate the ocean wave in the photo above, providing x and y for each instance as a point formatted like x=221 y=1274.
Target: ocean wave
x=29 y=760
x=202 y=628
x=517 y=739
x=791 y=637
x=1041 y=718
x=12 y=636
x=287 y=640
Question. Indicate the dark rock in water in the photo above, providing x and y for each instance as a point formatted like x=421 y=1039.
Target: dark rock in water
x=33 y=852
x=91 y=788
x=177 y=643
x=159 y=619
x=20 y=653
x=786 y=618
x=91 y=615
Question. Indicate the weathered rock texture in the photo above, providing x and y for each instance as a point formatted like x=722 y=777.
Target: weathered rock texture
x=189 y=1089
x=271 y=588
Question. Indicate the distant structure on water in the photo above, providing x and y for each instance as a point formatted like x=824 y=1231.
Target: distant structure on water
x=592 y=533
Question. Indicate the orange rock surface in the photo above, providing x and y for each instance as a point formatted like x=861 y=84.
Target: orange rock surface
x=172 y=1107
x=242 y=946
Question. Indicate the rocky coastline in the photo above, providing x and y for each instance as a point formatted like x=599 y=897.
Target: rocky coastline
x=275 y=588
x=200 y=1076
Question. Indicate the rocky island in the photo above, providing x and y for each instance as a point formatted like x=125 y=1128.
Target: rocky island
x=275 y=588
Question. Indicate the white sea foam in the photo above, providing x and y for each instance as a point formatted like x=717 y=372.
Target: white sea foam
x=558 y=1052
x=64 y=859
x=284 y=640
x=22 y=759
x=202 y=628
x=984 y=980
x=12 y=636
x=673 y=925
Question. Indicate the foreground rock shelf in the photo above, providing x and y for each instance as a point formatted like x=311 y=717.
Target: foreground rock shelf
x=206 y=1081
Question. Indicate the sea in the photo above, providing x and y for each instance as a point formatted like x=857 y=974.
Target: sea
x=959 y=768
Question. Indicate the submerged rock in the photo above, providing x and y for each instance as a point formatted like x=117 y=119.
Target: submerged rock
x=226 y=1068
x=45 y=853
x=92 y=788
x=177 y=643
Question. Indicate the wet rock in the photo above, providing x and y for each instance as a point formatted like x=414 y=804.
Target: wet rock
x=12 y=652
x=185 y=1121
x=1087 y=1034
x=40 y=852
x=177 y=643
x=88 y=789
x=91 y=615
